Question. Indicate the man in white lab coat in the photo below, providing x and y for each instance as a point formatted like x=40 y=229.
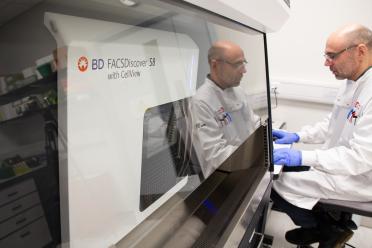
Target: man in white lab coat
x=221 y=116
x=342 y=169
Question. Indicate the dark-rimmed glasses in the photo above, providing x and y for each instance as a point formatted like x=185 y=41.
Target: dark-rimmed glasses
x=236 y=64
x=333 y=56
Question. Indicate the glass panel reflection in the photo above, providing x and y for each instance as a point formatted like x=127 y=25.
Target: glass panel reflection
x=167 y=152
x=222 y=115
x=95 y=145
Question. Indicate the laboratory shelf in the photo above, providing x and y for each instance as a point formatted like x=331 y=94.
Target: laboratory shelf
x=32 y=88
x=29 y=114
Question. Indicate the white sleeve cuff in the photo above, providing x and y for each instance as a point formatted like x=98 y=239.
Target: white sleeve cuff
x=309 y=158
x=302 y=136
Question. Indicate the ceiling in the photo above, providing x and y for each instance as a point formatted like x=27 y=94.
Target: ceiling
x=12 y=8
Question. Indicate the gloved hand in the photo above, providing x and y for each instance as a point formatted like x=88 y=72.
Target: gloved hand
x=287 y=157
x=283 y=137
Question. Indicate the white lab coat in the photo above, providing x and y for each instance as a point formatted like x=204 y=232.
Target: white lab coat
x=342 y=169
x=221 y=121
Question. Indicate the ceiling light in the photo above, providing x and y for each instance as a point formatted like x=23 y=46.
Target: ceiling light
x=128 y=3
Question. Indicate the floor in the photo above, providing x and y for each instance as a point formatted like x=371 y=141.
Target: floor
x=278 y=223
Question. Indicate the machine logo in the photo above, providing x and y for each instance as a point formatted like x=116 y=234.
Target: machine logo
x=82 y=64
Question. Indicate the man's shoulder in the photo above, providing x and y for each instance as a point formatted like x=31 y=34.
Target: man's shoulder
x=205 y=90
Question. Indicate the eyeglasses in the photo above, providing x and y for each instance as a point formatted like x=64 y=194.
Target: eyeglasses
x=333 y=56
x=236 y=65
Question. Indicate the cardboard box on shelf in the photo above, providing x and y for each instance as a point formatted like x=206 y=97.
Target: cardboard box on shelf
x=29 y=72
x=14 y=81
x=8 y=111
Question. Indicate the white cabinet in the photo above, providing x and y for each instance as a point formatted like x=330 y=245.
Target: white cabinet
x=12 y=193
x=34 y=235
x=22 y=220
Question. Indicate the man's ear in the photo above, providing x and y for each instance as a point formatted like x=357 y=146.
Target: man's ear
x=213 y=63
x=362 y=50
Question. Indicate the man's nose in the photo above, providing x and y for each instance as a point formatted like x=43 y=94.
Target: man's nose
x=328 y=62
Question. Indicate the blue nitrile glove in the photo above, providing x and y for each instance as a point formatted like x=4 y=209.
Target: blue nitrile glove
x=287 y=157
x=283 y=137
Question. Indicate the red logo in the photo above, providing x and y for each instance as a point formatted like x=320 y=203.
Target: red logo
x=82 y=64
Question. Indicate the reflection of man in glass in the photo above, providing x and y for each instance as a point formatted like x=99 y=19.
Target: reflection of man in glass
x=222 y=119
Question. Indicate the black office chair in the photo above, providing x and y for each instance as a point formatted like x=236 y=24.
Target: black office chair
x=346 y=209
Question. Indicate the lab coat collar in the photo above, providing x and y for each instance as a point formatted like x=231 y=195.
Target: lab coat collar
x=365 y=72
x=229 y=95
x=362 y=79
x=213 y=83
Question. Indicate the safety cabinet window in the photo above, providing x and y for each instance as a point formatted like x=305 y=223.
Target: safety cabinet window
x=98 y=118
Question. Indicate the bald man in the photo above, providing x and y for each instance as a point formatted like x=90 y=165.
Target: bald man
x=342 y=168
x=222 y=118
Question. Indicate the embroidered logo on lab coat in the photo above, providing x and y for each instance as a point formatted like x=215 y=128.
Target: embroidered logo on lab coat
x=354 y=113
x=223 y=118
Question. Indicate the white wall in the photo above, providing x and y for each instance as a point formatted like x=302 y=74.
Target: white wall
x=296 y=51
